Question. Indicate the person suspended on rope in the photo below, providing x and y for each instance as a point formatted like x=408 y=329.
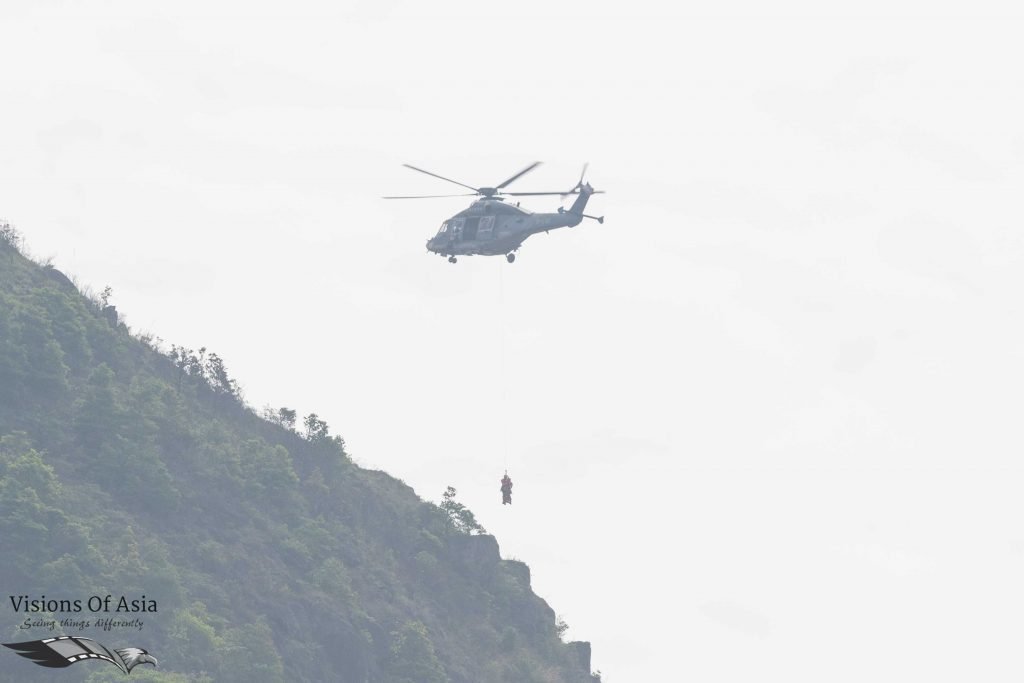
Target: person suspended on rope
x=506 y=490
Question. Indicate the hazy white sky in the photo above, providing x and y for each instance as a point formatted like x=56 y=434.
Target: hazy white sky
x=764 y=423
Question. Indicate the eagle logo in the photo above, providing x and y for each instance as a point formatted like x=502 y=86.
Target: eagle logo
x=67 y=650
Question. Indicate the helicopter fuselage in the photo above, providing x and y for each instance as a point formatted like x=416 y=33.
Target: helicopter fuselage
x=491 y=227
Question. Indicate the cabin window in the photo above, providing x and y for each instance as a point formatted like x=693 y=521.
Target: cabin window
x=456 y=226
x=470 y=228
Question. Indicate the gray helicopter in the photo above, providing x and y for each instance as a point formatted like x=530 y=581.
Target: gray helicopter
x=491 y=226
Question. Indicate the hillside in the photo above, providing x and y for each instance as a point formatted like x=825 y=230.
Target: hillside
x=127 y=469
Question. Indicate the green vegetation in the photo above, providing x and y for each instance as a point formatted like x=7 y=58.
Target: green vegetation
x=460 y=516
x=127 y=470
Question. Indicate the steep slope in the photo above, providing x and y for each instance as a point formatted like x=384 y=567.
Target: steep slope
x=269 y=555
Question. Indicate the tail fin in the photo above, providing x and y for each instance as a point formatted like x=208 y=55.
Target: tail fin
x=580 y=204
x=584 y=190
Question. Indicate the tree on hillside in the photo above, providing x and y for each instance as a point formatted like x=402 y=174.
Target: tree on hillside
x=560 y=627
x=211 y=369
x=216 y=374
x=462 y=518
x=283 y=417
x=9 y=235
x=187 y=361
x=286 y=418
x=316 y=429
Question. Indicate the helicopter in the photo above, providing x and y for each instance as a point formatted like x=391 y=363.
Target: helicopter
x=492 y=227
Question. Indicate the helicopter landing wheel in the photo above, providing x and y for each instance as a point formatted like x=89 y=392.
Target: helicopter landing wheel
x=510 y=258
x=452 y=259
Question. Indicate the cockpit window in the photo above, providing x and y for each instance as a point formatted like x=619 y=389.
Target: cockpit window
x=444 y=228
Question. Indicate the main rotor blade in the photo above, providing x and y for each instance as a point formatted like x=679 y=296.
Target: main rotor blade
x=430 y=196
x=469 y=187
x=518 y=175
x=583 y=173
x=537 y=194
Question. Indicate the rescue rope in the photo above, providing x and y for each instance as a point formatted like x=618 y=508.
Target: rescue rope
x=504 y=386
